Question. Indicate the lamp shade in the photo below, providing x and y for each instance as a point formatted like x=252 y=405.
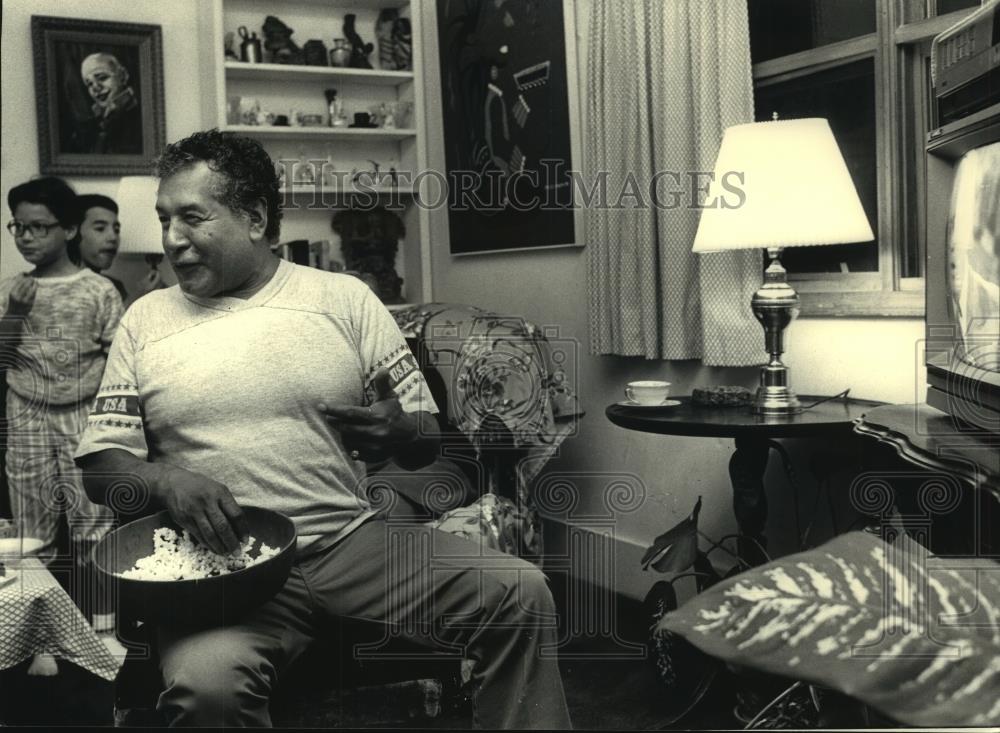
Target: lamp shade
x=141 y=232
x=796 y=190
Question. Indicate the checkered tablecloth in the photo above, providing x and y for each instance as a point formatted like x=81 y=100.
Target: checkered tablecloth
x=37 y=616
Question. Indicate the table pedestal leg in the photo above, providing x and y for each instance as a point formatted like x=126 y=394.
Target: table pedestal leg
x=746 y=471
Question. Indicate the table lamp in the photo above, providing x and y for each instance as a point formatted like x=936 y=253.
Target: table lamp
x=796 y=192
x=141 y=233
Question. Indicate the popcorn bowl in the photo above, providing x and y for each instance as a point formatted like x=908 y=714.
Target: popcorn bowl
x=196 y=602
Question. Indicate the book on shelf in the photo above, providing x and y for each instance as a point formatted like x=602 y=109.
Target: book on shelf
x=318 y=254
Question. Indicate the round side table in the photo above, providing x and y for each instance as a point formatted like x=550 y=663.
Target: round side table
x=753 y=435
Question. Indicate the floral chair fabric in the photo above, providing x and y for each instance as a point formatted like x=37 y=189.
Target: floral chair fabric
x=498 y=370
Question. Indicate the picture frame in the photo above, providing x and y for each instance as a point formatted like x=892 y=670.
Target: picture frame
x=510 y=66
x=99 y=96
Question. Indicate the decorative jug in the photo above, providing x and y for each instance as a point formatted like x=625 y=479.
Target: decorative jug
x=250 y=50
x=340 y=54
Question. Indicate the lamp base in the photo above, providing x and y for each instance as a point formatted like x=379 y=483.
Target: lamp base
x=774 y=305
x=776 y=402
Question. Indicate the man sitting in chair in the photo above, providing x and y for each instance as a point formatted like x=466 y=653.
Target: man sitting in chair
x=256 y=381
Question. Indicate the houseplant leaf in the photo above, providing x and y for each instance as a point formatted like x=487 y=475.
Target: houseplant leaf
x=914 y=636
x=683 y=671
x=675 y=550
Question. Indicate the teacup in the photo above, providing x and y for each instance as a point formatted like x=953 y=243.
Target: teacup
x=647 y=392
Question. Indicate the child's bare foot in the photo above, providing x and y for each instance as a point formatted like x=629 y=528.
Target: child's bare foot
x=43 y=665
x=103 y=622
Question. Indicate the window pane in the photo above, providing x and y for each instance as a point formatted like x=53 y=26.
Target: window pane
x=845 y=96
x=918 y=96
x=781 y=27
x=950 y=6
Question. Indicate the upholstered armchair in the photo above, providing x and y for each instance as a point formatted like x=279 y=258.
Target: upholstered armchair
x=506 y=406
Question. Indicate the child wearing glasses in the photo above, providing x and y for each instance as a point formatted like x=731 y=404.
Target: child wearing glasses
x=56 y=328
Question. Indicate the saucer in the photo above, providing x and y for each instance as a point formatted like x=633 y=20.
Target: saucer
x=639 y=405
x=13 y=547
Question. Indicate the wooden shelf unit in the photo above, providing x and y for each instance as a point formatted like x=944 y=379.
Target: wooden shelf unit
x=284 y=89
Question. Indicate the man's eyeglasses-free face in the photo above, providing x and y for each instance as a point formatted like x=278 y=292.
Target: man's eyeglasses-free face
x=38 y=229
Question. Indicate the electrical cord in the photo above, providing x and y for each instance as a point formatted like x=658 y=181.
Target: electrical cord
x=838 y=396
x=775 y=701
x=720 y=546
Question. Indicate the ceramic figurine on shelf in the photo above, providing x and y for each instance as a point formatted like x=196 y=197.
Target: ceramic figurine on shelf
x=402 y=38
x=364 y=120
x=250 y=46
x=314 y=53
x=359 y=49
x=230 y=49
x=383 y=33
x=305 y=173
x=328 y=173
x=331 y=105
x=233 y=111
x=387 y=115
x=249 y=110
x=278 y=40
x=395 y=40
x=335 y=109
x=370 y=176
x=263 y=117
x=404 y=114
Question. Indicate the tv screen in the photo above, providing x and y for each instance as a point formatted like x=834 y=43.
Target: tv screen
x=973 y=252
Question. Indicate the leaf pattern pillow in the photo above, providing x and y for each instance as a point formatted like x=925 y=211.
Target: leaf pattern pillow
x=913 y=635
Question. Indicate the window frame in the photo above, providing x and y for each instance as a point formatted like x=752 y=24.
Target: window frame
x=900 y=43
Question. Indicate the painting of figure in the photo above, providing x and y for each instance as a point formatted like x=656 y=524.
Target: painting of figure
x=508 y=143
x=99 y=88
x=113 y=123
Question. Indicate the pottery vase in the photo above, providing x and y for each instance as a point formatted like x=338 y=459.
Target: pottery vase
x=340 y=54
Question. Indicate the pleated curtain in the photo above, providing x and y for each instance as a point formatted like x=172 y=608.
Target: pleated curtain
x=664 y=80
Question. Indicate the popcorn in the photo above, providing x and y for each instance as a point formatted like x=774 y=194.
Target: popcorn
x=180 y=557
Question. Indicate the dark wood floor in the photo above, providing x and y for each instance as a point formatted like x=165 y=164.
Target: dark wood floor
x=602 y=695
x=607 y=688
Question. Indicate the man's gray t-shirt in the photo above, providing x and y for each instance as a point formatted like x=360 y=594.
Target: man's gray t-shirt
x=229 y=388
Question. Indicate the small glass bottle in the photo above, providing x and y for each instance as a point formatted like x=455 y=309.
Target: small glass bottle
x=329 y=178
x=304 y=170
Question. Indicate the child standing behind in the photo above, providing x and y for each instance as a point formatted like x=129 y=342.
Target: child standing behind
x=97 y=243
x=56 y=327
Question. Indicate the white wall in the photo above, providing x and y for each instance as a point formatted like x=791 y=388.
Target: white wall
x=18 y=122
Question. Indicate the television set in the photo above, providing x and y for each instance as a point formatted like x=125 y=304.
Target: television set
x=963 y=271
